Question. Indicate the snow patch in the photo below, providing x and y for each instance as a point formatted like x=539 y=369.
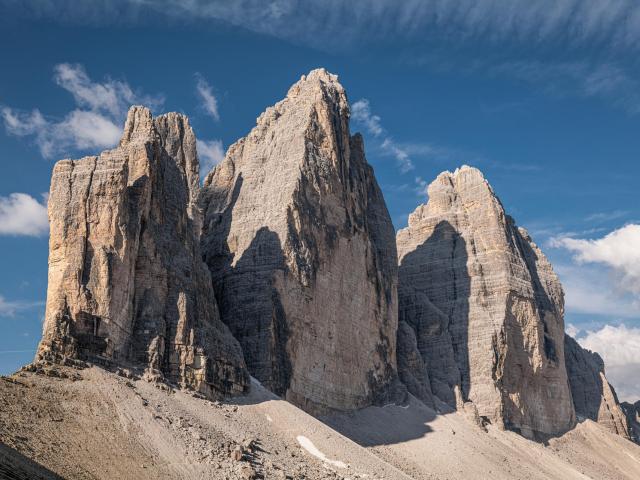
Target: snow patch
x=311 y=448
x=396 y=405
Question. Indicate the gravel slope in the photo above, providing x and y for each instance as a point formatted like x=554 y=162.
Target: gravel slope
x=98 y=425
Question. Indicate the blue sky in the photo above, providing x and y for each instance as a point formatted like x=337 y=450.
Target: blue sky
x=543 y=97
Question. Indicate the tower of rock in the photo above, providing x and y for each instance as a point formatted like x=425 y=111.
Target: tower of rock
x=127 y=284
x=301 y=250
x=481 y=310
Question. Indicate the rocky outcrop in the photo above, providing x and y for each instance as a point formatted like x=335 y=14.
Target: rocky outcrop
x=301 y=251
x=632 y=412
x=485 y=307
x=593 y=397
x=127 y=284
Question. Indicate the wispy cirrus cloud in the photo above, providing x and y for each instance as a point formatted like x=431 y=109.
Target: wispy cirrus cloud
x=529 y=33
x=361 y=114
x=21 y=214
x=206 y=96
x=606 y=81
x=94 y=123
x=11 y=308
x=575 y=23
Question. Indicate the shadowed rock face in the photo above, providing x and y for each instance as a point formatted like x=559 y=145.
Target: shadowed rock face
x=302 y=254
x=593 y=397
x=632 y=412
x=486 y=309
x=126 y=281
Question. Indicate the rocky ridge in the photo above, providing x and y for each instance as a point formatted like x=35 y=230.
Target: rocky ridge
x=299 y=284
x=127 y=285
x=301 y=251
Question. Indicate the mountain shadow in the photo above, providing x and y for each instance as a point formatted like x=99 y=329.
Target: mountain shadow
x=250 y=305
x=15 y=466
x=433 y=295
x=433 y=359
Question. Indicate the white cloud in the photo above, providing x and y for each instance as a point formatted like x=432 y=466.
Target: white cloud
x=588 y=290
x=112 y=96
x=79 y=129
x=10 y=308
x=619 y=251
x=210 y=153
x=619 y=347
x=96 y=123
x=205 y=93
x=399 y=153
x=571 y=330
x=606 y=216
x=361 y=114
x=21 y=214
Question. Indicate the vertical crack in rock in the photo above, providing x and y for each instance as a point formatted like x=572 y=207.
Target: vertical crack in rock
x=486 y=309
x=302 y=254
x=126 y=281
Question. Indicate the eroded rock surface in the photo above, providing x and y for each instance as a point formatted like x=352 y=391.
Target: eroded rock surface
x=593 y=397
x=486 y=309
x=127 y=283
x=302 y=254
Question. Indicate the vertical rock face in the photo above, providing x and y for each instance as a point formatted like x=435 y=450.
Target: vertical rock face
x=632 y=411
x=485 y=307
x=593 y=397
x=126 y=280
x=302 y=254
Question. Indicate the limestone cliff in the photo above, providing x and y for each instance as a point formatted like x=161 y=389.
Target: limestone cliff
x=302 y=254
x=593 y=397
x=127 y=284
x=485 y=307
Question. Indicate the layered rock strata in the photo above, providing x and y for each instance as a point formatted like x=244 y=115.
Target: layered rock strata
x=127 y=283
x=593 y=397
x=302 y=254
x=485 y=309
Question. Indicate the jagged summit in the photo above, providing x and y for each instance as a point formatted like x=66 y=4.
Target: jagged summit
x=301 y=251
